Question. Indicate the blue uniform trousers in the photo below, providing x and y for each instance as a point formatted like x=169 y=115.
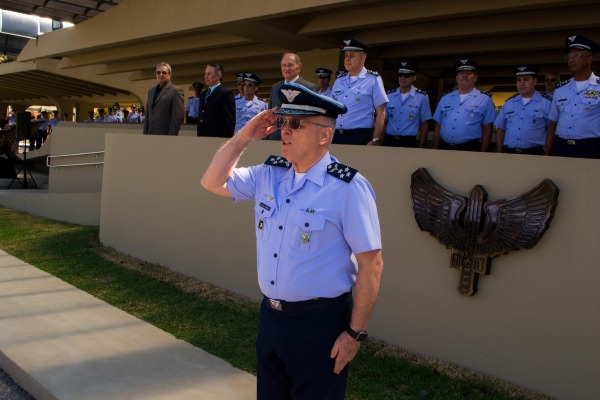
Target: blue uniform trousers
x=293 y=349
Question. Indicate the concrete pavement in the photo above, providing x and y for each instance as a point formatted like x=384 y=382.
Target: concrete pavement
x=60 y=343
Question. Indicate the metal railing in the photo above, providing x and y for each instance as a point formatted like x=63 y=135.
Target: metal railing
x=94 y=154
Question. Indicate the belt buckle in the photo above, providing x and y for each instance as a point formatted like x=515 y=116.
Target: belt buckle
x=275 y=304
x=341 y=131
x=519 y=151
x=571 y=142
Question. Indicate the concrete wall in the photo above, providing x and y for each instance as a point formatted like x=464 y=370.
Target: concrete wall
x=535 y=320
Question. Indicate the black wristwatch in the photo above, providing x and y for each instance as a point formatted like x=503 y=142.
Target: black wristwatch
x=358 y=336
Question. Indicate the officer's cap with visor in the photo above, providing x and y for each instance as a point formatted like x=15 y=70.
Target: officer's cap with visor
x=354 y=45
x=323 y=73
x=466 y=64
x=407 y=67
x=524 y=70
x=581 y=42
x=252 y=77
x=240 y=77
x=198 y=85
x=299 y=101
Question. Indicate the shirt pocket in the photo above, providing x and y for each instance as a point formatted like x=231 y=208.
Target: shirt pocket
x=536 y=119
x=473 y=115
x=307 y=231
x=264 y=219
x=590 y=104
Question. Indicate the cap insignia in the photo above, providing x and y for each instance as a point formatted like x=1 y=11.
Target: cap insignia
x=290 y=94
x=572 y=38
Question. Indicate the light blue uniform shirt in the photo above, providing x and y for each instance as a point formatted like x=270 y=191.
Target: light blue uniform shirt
x=405 y=117
x=577 y=113
x=361 y=97
x=193 y=107
x=464 y=121
x=328 y=92
x=524 y=125
x=306 y=233
x=245 y=111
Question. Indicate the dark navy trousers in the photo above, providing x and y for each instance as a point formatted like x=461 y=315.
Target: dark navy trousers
x=293 y=352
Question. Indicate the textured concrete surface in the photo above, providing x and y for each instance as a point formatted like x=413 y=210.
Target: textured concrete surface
x=58 y=342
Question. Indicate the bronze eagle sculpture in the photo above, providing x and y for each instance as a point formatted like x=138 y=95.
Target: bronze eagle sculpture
x=477 y=230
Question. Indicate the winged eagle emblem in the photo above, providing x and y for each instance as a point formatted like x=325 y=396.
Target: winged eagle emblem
x=477 y=230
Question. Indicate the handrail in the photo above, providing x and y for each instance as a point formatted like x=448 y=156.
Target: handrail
x=94 y=153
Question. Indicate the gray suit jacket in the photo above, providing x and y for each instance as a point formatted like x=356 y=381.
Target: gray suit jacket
x=275 y=102
x=164 y=116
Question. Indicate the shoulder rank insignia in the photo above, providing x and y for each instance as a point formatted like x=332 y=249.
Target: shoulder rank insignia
x=598 y=80
x=513 y=96
x=477 y=229
x=340 y=74
x=341 y=171
x=547 y=96
x=373 y=72
x=278 y=161
x=191 y=97
x=563 y=83
x=391 y=91
x=424 y=92
x=486 y=93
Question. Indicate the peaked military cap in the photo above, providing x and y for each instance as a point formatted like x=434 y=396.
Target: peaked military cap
x=407 y=67
x=198 y=85
x=526 y=69
x=323 y=72
x=44 y=112
x=249 y=76
x=354 y=45
x=240 y=77
x=116 y=106
x=299 y=100
x=581 y=42
x=466 y=64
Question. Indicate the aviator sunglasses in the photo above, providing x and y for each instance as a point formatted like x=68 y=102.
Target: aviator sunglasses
x=294 y=123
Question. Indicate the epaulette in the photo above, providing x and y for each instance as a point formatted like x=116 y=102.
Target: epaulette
x=340 y=74
x=341 y=171
x=486 y=93
x=547 y=96
x=563 y=83
x=443 y=94
x=391 y=91
x=373 y=72
x=278 y=161
x=261 y=99
x=513 y=96
x=423 y=92
x=598 y=80
x=191 y=97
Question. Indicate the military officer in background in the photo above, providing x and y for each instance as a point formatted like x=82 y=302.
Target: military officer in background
x=323 y=80
x=574 y=127
x=362 y=92
x=117 y=112
x=464 y=116
x=551 y=79
x=193 y=104
x=134 y=116
x=101 y=116
x=408 y=112
x=249 y=105
x=239 y=77
x=523 y=119
x=112 y=115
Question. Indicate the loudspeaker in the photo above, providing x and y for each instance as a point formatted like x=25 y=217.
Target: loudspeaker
x=23 y=123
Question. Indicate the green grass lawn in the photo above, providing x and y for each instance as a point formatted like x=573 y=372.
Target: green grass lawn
x=218 y=321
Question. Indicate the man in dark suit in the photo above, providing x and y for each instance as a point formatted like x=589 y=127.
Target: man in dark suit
x=291 y=65
x=216 y=116
x=164 y=107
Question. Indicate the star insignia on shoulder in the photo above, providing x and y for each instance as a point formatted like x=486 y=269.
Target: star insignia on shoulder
x=563 y=83
x=373 y=72
x=340 y=74
x=546 y=96
x=278 y=161
x=598 y=80
x=486 y=93
x=392 y=91
x=341 y=171
x=424 y=92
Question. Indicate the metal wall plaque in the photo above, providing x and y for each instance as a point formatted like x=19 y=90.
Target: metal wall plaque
x=477 y=230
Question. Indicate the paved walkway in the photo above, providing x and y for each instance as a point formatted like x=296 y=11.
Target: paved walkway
x=60 y=343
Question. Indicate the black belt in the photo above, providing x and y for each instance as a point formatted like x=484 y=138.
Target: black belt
x=578 y=142
x=351 y=131
x=295 y=306
x=537 y=150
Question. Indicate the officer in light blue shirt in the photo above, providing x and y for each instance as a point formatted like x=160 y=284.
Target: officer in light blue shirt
x=192 y=106
x=249 y=105
x=362 y=92
x=323 y=80
x=318 y=239
x=574 y=127
x=408 y=112
x=523 y=119
x=239 y=78
x=464 y=117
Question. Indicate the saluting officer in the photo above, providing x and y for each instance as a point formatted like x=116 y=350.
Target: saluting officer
x=323 y=80
x=574 y=127
x=523 y=119
x=408 y=112
x=464 y=116
x=249 y=105
x=193 y=104
x=362 y=92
